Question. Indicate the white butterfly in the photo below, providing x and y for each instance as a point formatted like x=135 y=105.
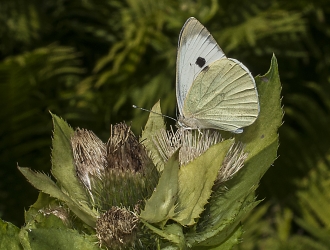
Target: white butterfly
x=212 y=91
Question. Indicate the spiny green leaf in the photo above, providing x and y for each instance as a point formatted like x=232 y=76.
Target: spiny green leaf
x=46 y=223
x=232 y=240
x=160 y=207
x=175 y=230
x=264 y=131
x=63 y=168
x=154 y=124
x=227 y=227
x=45 y=184
x=261 y=140
x=196 y=180
x=173 y=235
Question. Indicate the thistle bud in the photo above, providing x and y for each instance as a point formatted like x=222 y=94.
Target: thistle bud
x=118 y=176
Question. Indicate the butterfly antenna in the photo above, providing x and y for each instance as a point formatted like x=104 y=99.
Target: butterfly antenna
x=148 y=110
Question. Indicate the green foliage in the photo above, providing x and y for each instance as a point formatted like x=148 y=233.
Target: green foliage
x=211 y=214
x=31 y=84
x=59 y=238
x=47 y=230
x=314 y=202
x=63 y=168
x=153 y=125
x=128 y=48
x=20 y=26
x=274 y=229
x=196 y=180
x=68 y=188
x=305 y=82
x=9 y=236
x=267 y=229
x=66 y=210
x=189 y=208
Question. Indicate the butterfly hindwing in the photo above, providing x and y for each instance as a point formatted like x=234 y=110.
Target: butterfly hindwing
x=223 y=96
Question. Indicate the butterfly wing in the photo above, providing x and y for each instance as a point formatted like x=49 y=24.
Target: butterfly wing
x=196 y=50
x=223 y=96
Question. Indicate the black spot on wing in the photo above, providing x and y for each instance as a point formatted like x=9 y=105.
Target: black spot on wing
x=200 y=61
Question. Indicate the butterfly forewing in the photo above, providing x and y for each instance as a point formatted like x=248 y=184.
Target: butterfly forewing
x=224 y=96
x=196 y=50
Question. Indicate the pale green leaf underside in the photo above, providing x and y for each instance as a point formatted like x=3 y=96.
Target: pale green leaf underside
x=160 y=206
x=154 y=124
x=196 y=180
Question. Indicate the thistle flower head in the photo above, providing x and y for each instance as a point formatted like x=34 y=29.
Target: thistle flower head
x=118 y=175
x=192 y=143
x=232 y=163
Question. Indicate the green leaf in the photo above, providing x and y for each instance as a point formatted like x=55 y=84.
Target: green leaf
x=226 y=227
x=175 y=230
x=264 y=131
x=45 y=184
x=63 y=239
x=196 y=180
x=44 y=201
x=63 y=168
x=172 y=233
x=41 y=220
x=229 y=243
x=47 y=223
x=160 y=206
x=255 y=227
x=9 y=238
x=227 y=206
x=154 y=124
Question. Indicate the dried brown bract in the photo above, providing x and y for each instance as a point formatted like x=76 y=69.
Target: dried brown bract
x=89 y=154
x=115 y=228
x=124 y=151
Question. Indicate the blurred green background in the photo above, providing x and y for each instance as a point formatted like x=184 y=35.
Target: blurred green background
x=89 y=61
